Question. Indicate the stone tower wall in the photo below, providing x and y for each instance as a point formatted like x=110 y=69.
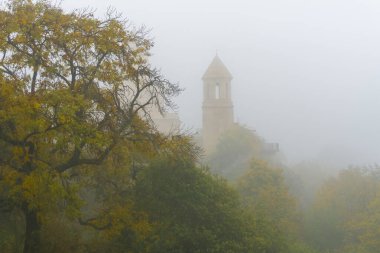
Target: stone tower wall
x=217 y=103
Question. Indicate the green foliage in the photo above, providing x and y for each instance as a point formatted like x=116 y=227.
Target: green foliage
x=61 y=235
x=191 y=210
x=308 y=178
x=236 y=147
x=73 y=89
x=344 y=215
x=272 y=208
x=10 y=232
x=300 y=247
x=82 y=169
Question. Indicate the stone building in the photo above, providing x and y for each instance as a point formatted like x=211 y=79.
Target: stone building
x=217 y=107
x=218 y=113
x=167 y=122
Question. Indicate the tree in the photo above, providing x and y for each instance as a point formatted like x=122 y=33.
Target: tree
x=191 y=210
x=362 y=232
x=273 y=209
x=72 y=89
x=341 y=209
x=235 y=149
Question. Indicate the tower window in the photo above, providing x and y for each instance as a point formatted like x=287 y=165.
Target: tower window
x=217 y=91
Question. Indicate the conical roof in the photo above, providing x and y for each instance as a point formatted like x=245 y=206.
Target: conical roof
x=217 y=69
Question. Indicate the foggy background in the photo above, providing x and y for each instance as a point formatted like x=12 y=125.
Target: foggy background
x=306 y=73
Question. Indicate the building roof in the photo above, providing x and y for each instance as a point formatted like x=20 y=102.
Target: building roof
x=217 y=69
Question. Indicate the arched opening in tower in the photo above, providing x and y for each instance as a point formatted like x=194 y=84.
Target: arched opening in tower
x=217 y=91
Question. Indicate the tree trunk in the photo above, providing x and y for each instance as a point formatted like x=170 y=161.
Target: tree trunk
x=32 y=231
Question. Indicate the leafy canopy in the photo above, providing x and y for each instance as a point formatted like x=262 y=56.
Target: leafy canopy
x=73 y=89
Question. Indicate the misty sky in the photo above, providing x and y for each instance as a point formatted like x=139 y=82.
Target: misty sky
x=306 y=73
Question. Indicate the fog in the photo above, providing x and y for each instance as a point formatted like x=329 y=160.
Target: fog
x=306 y=73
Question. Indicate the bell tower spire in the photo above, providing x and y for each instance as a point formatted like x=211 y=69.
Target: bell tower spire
x=217 y=103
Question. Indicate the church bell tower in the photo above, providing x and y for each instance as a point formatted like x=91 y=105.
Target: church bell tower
x=217 y=104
